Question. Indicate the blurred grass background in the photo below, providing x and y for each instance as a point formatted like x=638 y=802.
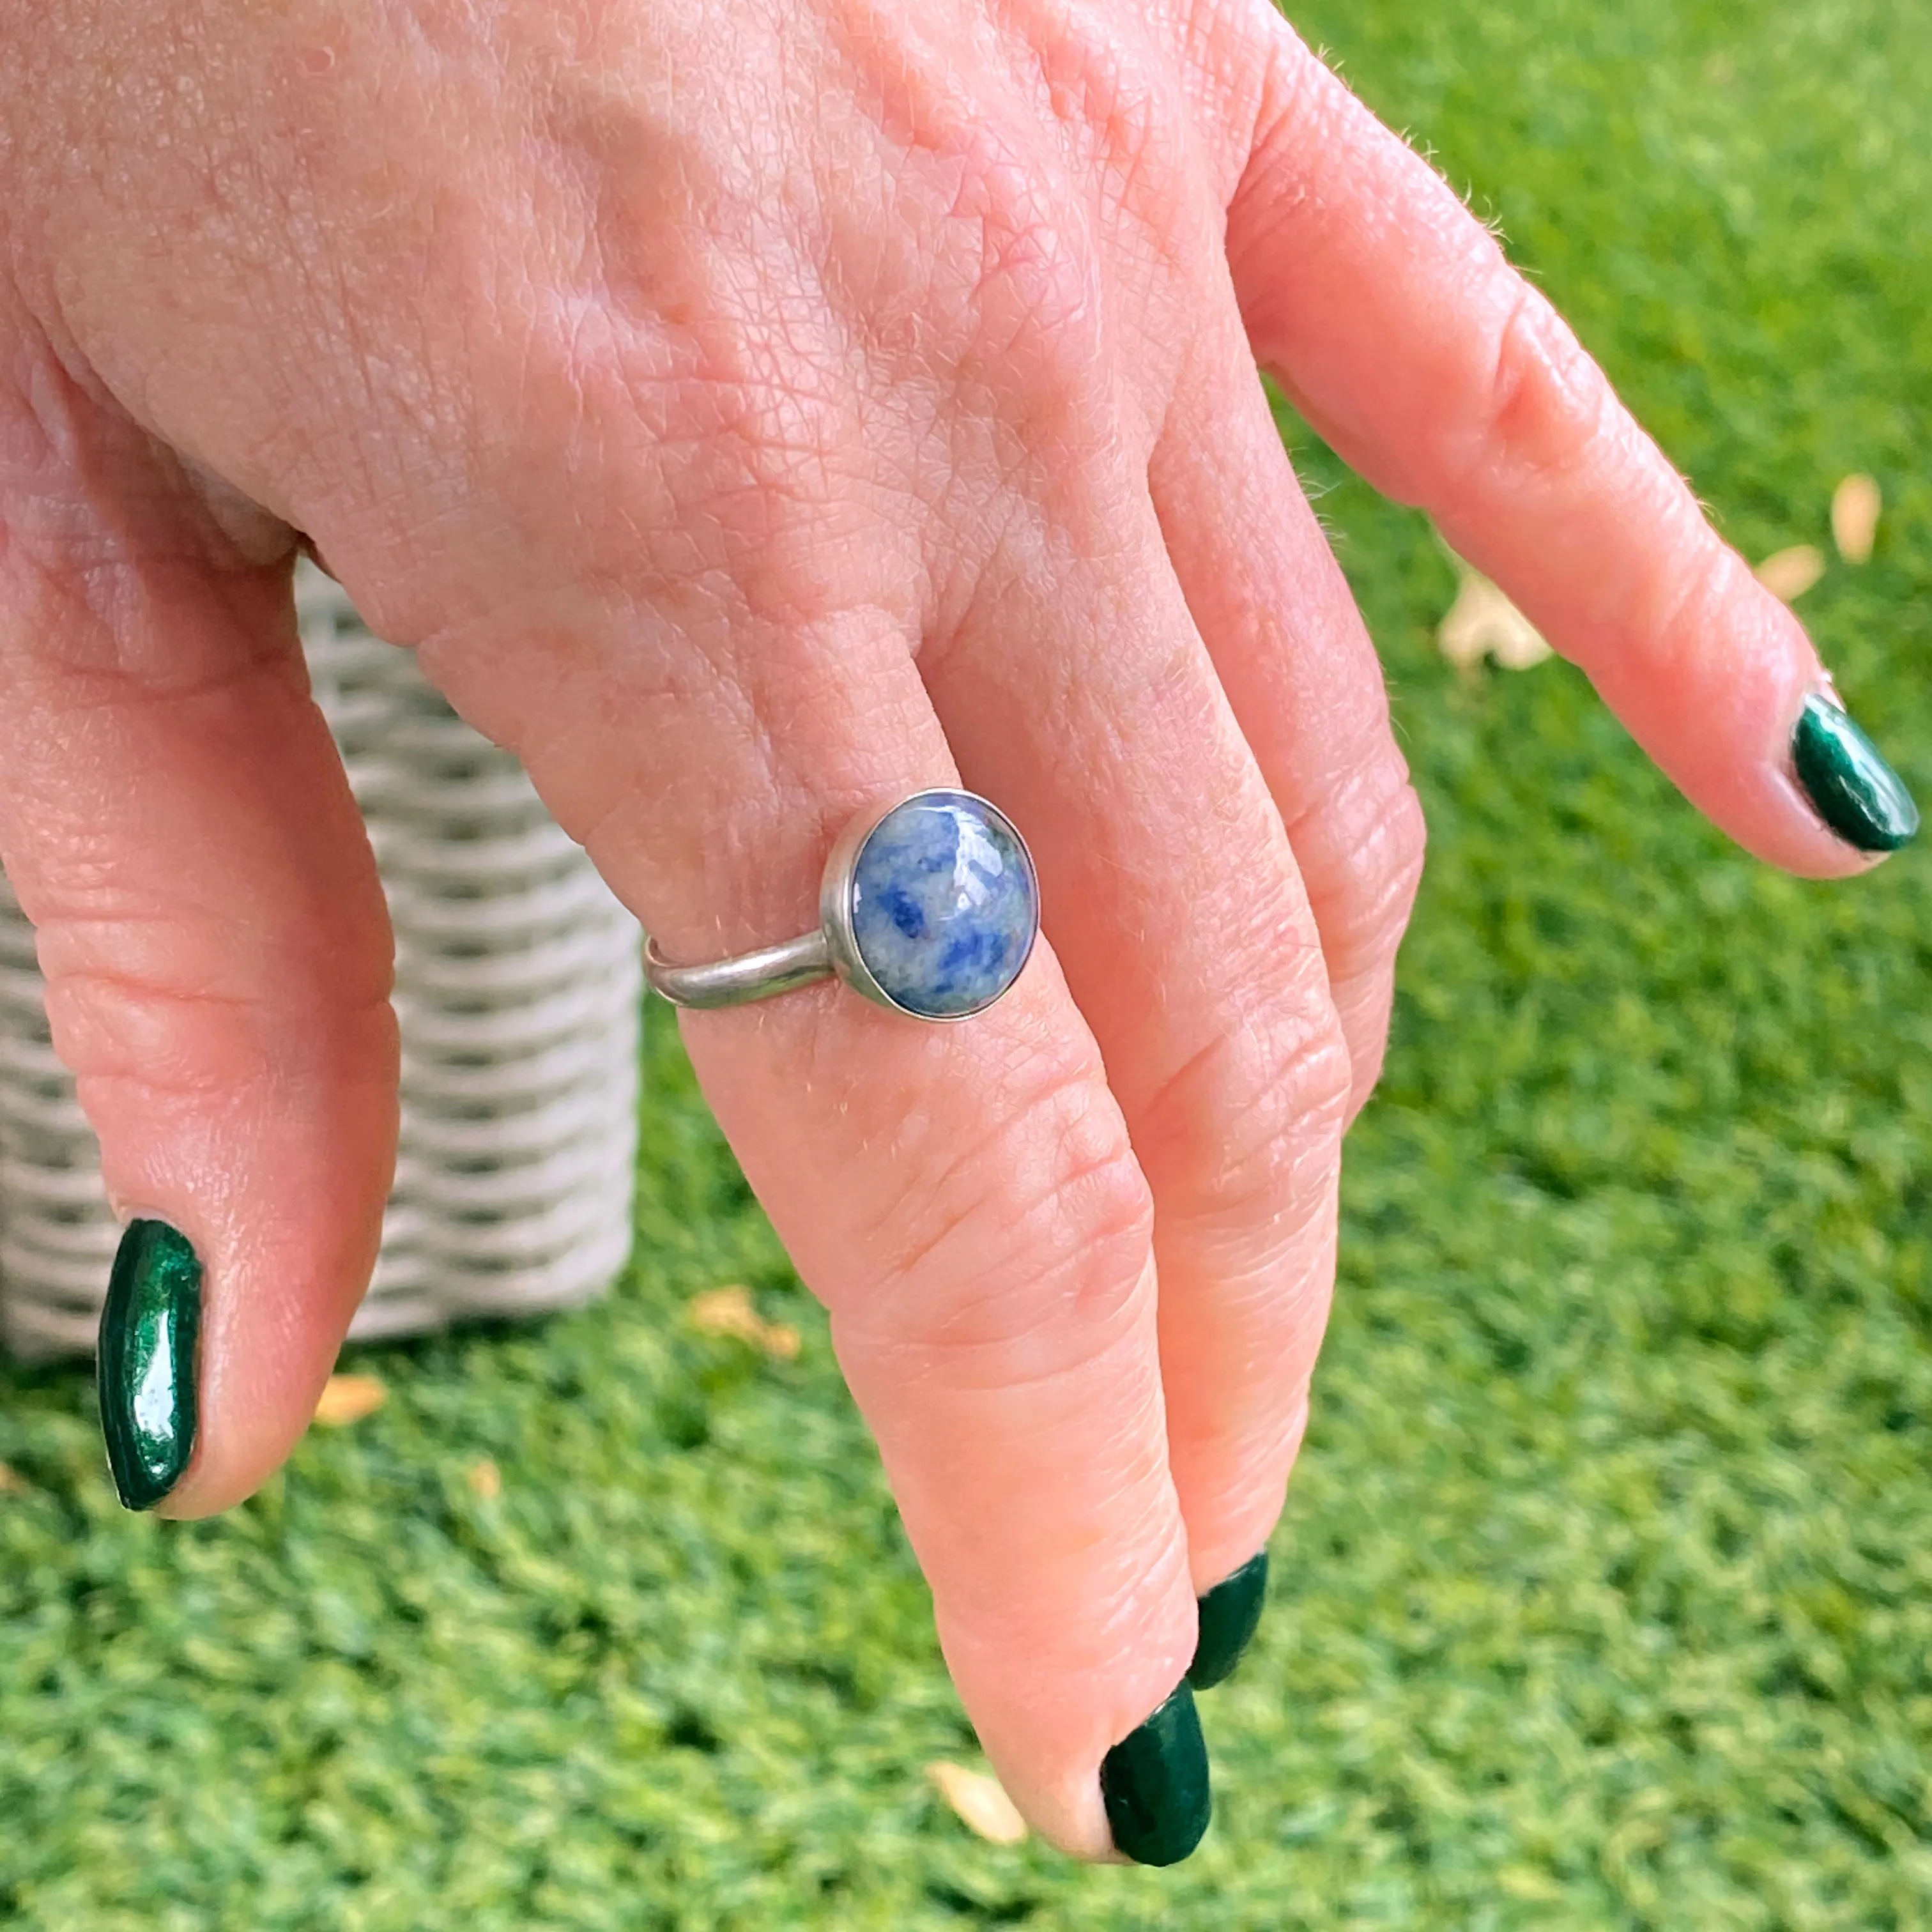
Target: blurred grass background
x=1604 y=1594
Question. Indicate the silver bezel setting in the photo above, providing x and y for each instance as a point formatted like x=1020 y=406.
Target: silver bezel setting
x=835 y=906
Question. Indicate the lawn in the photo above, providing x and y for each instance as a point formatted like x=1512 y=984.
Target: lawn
x=1604 y=1594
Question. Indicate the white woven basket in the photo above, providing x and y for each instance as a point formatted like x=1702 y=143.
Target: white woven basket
x=518 y=985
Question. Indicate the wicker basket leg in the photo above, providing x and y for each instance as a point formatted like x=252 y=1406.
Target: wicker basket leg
x=57 y=1238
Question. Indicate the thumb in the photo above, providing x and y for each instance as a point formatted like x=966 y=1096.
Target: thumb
x=176 y=823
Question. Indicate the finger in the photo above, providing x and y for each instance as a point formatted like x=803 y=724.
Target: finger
x=1077 y=686
x=176 y=823
x=964 y=1199
x=1392 y=316
x=1305 y=684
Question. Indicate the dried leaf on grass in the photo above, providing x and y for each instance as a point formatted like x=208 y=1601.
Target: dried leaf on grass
x=728 y=1311
x=1788 y=574
x=12 y=1483
x=1483 y=623
x=347 y=1399
x=980 y=1800
x=1855 y=504
x=486 y=1479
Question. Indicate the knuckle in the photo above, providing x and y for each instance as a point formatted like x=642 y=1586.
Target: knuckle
x=1363 y=848
x=1696 y=603
x=1027 y=1249
x=1401 y=850
x=114 y=1030
x=1393 y=854
x=159 y=1006
x=1296 y=105
x=1027 y=279
x=1113 y=101
x=1246 y=62
x=1392 y=862
x=1269 y=1097
x=1543 y=405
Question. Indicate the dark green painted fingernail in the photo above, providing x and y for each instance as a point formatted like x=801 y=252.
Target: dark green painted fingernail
x=1229 y=1613
x=1155 y=1784
x=146 y=1365
x=1855 y=792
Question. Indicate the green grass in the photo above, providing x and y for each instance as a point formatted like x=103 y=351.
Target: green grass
x=1604 y=1595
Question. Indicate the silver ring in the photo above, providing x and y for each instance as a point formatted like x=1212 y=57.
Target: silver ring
x=929 y=905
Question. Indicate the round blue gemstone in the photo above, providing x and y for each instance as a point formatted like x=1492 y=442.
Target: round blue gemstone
x=944 y=904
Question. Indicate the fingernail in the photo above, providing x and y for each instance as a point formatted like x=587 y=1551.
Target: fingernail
x=146 y=1366
x=1853 y=790
x=1154 y=1782
x=1229 y=1613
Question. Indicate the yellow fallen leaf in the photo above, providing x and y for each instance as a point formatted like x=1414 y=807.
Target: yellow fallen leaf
x=1855 y=504
x=981 y=1801
x=728 y=1311
x=1788 y=574
x=1529 y=1881
x=12 y=1483
x=347 y=1399
x=1483 y=623
x=487 y=1479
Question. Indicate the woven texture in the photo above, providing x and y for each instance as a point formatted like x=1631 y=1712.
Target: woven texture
x=518 y=985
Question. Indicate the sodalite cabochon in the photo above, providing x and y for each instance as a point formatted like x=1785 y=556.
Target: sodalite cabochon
x=944 y=904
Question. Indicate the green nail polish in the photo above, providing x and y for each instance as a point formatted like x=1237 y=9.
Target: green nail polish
x=1155 y=1784
x=1855 y=791
x=146 y=1365
x=1229 y=1613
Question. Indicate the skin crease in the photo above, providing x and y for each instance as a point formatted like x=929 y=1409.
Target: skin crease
x=748 y=411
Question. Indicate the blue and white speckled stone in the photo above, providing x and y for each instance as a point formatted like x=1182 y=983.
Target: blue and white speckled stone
x=944 y=904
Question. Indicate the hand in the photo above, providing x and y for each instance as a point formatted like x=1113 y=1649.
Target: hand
x=748 y=411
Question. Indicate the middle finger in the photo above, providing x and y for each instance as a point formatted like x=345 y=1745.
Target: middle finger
x=1072 y=682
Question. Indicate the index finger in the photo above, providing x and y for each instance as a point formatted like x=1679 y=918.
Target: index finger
x=1390 y=315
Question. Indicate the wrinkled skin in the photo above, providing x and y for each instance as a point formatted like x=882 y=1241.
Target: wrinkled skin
x=746 y=411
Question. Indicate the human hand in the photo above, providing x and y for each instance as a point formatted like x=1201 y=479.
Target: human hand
x=749 y=412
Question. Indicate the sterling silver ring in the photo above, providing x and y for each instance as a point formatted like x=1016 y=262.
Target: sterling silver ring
x=928 y=905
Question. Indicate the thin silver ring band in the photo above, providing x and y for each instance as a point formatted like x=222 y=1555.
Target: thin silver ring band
x=986 y=866
x=772 y=970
